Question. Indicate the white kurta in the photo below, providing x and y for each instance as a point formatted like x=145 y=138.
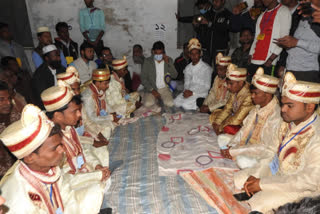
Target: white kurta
x=259 y=144
x=84 y=69
x=197 y=78
x=16 y=191
x=299 y=168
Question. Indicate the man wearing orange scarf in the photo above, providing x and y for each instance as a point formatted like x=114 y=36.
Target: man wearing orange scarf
x=82 y=166
x=94 y=98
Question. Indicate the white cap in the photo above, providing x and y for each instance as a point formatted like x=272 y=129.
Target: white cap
x=43 y=29
x=48 y=48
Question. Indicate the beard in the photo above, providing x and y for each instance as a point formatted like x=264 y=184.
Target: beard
x=55 y=64
x=88 y=58
x=138 y=59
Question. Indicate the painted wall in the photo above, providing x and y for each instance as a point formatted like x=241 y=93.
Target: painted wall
x=127 y=22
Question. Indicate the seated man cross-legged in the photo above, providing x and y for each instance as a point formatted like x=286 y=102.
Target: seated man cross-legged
x=81 y=166
x=197 y=78
x=95 y=101
x=218 y=94
x=155 y=71
x=253 y=139
x=229 y=119
x=118 y=96
x=293 y=171
x=86 y=126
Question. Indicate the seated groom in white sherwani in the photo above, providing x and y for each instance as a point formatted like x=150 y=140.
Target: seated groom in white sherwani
x=197 y=78
x=35 y=185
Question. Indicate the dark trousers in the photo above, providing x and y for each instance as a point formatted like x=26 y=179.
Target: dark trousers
x=207 y=57
x=252 y=68
x=200 y=101
x=308 y=76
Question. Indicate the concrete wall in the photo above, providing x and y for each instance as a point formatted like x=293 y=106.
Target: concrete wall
x=127 y=21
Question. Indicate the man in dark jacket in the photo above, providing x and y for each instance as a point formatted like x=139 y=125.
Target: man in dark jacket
x=243 y=18
x=212 y=27
x=45 y=76
x=182 y=61
x=65 y=43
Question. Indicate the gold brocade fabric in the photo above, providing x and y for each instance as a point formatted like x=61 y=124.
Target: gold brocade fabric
x=257 y=125
x=290 y=156
x=218 y=95
x=117 y=101
x=22 y=197
x=299 y=168
x=236 y=109
x=260 y=145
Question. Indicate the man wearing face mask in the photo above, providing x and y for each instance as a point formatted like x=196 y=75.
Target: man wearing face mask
x=45 y=76
x=157 y=71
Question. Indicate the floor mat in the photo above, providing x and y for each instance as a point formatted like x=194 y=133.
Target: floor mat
x=136 y=185
x=217 y=188
x=187 y=143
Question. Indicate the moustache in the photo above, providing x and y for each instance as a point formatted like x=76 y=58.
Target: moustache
x=55 y=64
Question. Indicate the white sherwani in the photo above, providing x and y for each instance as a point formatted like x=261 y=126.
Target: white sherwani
x=101 y=154
x=197 y=78
x=299 y=168
x=94 y=128
x=89 y=107
x=253 y=139
x=93 y=156
x=115 y=96
x=18 y=193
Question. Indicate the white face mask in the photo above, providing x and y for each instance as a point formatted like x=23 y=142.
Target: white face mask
x=158 y=57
